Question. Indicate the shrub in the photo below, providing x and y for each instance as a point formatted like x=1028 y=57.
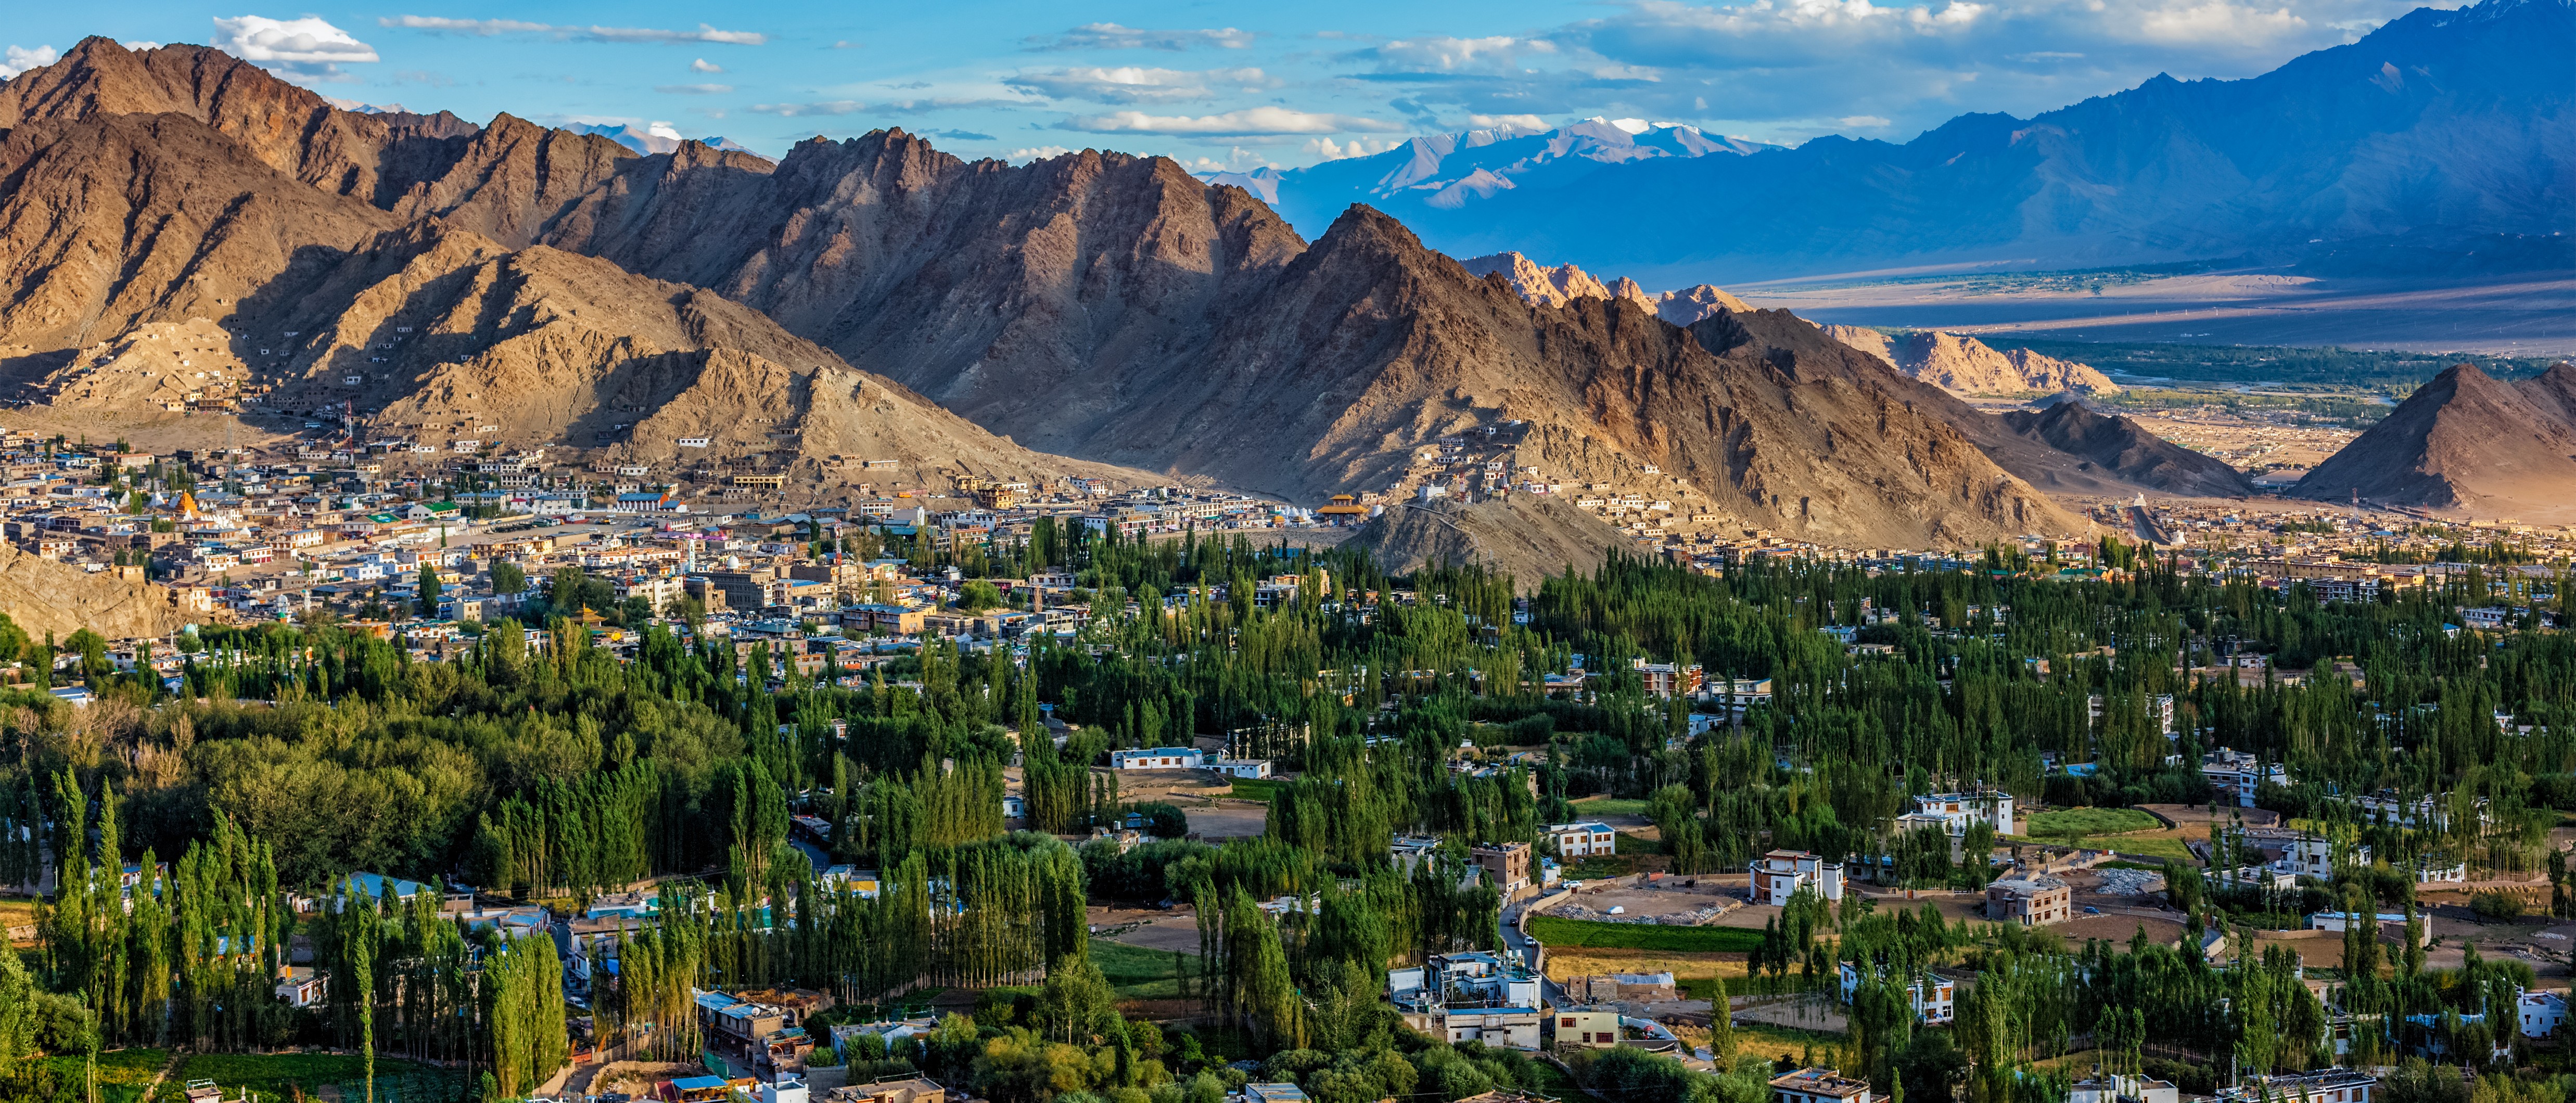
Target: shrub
x=2497 y=904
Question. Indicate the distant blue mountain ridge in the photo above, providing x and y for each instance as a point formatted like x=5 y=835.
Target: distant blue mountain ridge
x=2442 y=143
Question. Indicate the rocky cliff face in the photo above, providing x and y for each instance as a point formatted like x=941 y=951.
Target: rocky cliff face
x=1965 y=365
x=2466 y=441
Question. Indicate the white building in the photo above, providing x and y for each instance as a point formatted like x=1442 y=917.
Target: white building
x=1818 y=1085
x=1255 y=768
x=1577 y=840
x=1157 y=758
x=2541 y=1013
x=1471 y=997
x=1954 y=812
x=2232 y=772
x=2123 y=1089
x=2332 y=1085
x=2315 y=858
x=1779 y=875
x=1930 y=995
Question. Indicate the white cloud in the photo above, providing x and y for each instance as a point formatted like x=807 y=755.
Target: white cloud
x=693 y=89
x=1134 y=84
x=702 y=65
x=793 y=110
x=1237 y=159
x=1498 y=122
x=1111 y=36
x=1251 y=121
x=1328 y=150
x=1452 y=55
x=21 y=59
x=1035 y=153
x=1862 y=122
x=485 y=28
x=141 y=44
x=2216 y=23
x=1795 y=67
x=308 y=48
x=663 y=129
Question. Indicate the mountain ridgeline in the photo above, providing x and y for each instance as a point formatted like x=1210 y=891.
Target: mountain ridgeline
x=878 y=298
x=2436 y=145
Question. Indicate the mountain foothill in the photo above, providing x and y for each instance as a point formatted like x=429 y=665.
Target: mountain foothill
x=174 y=219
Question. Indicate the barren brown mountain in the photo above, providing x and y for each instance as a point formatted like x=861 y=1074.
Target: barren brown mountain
x=2466 y=441
x=2119 y=448
x=1527 y=536
x=1965 y=365
x=441 y=277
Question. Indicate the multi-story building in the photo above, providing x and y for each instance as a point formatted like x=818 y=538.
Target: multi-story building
x=2331 y=1085
x=2122 y=1088
x=2033 y=900
x=1930 y=995
x=1818 y=1085
x=1579 y=840
x=1471 y=997
x=1670 y=679
x=1506 y=865
x=1779 y=875
x=1954 y=812
x=2237 y=775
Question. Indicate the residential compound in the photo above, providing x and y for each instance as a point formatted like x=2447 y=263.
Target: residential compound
x=1954 y=813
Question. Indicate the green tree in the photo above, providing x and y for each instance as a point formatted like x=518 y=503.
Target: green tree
x=1076 y=1004
x=429 y=588
x=978 y=595
x=508 y=577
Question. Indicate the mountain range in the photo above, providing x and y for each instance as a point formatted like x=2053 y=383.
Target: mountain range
x=176 y=212
x=2441 y=143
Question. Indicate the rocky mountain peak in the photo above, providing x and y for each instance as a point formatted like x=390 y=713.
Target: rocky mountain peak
x=1965 y=365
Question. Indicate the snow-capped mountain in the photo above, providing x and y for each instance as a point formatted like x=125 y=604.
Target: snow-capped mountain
x=2443 y=142
x=1451 y=171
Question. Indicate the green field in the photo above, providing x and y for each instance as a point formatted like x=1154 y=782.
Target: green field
x=1135 y=972
x=1558 y=931
x=2090 y=821
x=122 y=1073
x=279 y=1075
x=1609 y=806
x=1260 y=789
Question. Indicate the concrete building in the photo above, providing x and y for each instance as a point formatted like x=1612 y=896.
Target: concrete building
x=2235 y=774
x=1587 y=1027
x=2541 y=1013
x=1577 y=840
x=2032 y=900
x=1931 y=996
x=1471 y=997
x=1670 y=679
x=1506 y=865
x=1954 y=812
x=1157 y=758
x=2123 y=1089
x=1779 y=875
x=1818 y=1085
x=2332 y=1085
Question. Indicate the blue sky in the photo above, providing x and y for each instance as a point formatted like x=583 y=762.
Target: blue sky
x=1225 y=85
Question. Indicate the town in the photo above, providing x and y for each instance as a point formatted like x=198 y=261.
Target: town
x=490 y=780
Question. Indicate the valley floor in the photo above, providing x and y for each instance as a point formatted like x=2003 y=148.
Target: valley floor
x=2521 y=316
